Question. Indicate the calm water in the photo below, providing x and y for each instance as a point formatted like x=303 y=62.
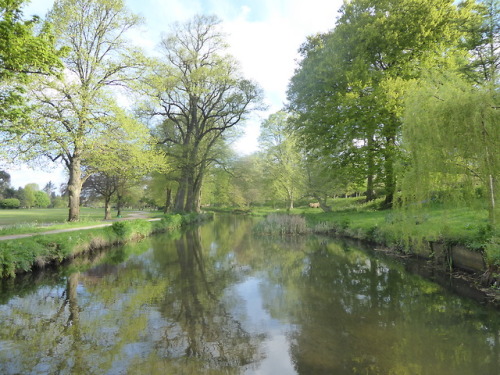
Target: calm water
x=219 y=300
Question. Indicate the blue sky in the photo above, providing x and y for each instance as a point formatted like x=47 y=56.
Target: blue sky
x=264 y=36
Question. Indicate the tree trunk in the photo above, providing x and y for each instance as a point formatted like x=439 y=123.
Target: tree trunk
x=390 y=178
x=492 y=203
x=370 y=193
x=107 y=208
x=119 y=204
x=167 y=200
x=193 y=196
x=190 y=193
x=74 y=189
x=180 y=197
x=290 y=201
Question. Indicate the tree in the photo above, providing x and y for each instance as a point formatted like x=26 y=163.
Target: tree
x=362 y=70
x=42 y=200
x=483 y=41
x=453 y=137
x=25 y=50
x=76 y=110
x=4 y=183
x=282 y=159
x=27 y=195
x=103 y=186
x=49 y=188
x=198 y=94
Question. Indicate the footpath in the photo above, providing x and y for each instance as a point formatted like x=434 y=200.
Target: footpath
x=130 y=216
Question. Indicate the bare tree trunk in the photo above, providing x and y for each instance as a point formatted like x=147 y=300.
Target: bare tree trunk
x=107 y=208
x=119 y=204
x=492 y=203
x=74 y=189
x=370 y=191
x=390 y=178
x=180 y=197
x=167 y=200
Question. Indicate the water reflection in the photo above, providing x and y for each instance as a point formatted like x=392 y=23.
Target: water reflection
x=218 y=300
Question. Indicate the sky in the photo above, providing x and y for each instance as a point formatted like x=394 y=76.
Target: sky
x=264 y=36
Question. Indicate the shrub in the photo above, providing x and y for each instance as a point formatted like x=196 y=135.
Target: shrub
x=172 y=221
x=10 y=203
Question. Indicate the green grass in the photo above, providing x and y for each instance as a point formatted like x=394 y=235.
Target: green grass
x=38 y=220
x=25 y=253
x=402 y=229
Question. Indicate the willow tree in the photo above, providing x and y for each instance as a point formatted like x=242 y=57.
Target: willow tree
x=75 y=110
x=452 y=133
x=362 y=68
x=197 y=93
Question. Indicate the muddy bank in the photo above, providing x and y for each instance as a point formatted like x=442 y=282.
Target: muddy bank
x=452 y=266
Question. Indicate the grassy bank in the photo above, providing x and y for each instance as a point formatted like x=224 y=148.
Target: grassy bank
x=22 y=255
x=406 y=230
x=38 y=220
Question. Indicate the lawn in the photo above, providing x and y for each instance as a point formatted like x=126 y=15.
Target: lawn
x=37 y=220
x=355 y=218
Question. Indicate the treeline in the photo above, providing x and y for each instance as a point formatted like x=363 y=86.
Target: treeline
x=399 y=101
x=402 y=99
x=28 y=196
x=76 y=90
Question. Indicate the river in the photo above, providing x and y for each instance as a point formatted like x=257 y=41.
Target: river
x=219 y=299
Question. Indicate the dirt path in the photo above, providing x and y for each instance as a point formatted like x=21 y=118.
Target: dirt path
x=130 y=216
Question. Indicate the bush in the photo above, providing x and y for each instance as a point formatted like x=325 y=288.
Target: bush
x=129 y=229
x=172 y=221
x=10 y=203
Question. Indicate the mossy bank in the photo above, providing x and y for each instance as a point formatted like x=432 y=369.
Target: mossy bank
x=26 y=254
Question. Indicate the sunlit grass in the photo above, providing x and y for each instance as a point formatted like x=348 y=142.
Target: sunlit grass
x=40 y=220
x=356 y=218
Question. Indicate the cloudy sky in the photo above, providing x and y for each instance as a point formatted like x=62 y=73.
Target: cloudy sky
x=264 y=36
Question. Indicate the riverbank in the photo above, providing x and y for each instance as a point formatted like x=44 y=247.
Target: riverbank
x=452 y=241
x=38 y=250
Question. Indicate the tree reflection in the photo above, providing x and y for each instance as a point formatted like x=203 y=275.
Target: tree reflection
x=357 y=315
x=201 y=325
x=176 y=305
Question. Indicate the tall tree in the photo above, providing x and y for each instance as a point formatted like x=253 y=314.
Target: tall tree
x=282 y=158
x=363 y=69
x=76 y=110
x=26 y=48
x=453 y=135
x=483 y=40
x=4 y=182
x=198 y=94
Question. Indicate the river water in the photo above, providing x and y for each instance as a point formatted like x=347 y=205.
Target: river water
x=219 y=299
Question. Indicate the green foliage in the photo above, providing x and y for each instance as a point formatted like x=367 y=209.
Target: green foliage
x=348 y=91
x=132 y=229
x=42 y=200
x=452 y=136
x=10 y=203
x=282 y=165
x=24 y=52
x=492 y=251
x=23 y=254
x=18 y=255
x=172 y=221
x=198 y=94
